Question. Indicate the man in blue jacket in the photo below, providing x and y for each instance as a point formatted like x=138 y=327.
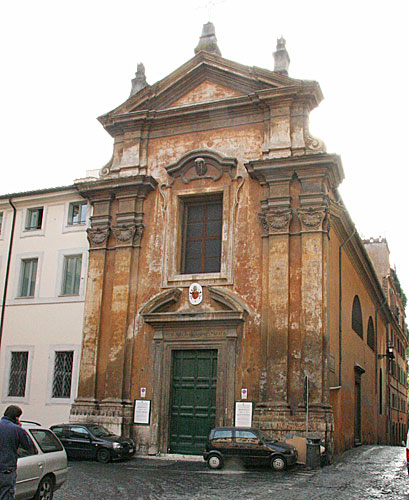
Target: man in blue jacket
x=12 y=437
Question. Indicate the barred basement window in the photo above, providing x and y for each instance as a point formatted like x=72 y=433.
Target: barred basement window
x=18 y=374
x=62 y=374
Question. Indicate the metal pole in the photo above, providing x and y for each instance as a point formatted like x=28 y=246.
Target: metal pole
x=306 y=405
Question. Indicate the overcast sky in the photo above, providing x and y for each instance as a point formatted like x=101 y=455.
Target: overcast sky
x=66 y=63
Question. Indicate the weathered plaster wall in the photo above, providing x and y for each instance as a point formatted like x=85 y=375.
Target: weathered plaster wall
x=355 y=353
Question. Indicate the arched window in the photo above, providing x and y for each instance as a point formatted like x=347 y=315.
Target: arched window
x=370 y=335
x=357 y=317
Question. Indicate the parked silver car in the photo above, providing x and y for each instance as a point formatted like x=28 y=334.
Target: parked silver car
x=44 y=470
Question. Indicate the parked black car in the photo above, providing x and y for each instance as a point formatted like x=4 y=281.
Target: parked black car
x=249 y=445
x=93 y=441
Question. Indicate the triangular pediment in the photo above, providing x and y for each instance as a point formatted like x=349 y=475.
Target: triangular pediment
x=204 y=78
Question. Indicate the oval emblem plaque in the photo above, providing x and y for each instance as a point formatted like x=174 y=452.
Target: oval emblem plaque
x=195 y=294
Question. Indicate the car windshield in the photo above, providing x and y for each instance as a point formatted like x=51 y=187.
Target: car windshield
x=265 y=437
x=99 y=431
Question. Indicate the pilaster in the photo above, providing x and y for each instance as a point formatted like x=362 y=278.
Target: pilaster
x=275 y=219
x=115 y=239
x=294 y=326
x=98 y=235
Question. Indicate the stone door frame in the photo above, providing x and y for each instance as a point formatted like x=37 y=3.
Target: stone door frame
x=184 y=329
x=190 y=336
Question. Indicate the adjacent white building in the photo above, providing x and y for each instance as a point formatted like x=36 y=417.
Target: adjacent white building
x=43 y=266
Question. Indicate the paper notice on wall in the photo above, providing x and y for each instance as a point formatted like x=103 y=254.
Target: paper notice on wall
x=142 y=410
x=243 y=414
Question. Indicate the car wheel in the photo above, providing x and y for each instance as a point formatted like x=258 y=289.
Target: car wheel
x=45 y=490
x=215 y=462
x=278 y=463
x=103 y=455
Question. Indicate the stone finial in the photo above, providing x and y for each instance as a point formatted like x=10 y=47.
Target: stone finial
x=281 y=58
x=139 y=82
x=208 y=40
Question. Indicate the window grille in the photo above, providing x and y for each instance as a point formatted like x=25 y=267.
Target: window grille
x=62 y=374
x=18 y=374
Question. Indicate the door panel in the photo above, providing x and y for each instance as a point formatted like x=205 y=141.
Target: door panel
x=30 y=467
x=79 y=443
x=357 y=411
x=193 y=399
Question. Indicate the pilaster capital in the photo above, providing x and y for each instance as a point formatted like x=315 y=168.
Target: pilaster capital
x=314 y=218
x=128 y=234
x=276 y=220
x=98 y=236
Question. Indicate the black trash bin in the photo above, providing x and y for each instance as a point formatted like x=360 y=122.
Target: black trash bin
x=313 y=452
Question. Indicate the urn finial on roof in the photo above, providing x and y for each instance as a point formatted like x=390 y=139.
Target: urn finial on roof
x=139 y=82
x=281 y=58
x=208 y=40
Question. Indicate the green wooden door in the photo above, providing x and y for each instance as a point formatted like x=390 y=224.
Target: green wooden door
x=193 y=399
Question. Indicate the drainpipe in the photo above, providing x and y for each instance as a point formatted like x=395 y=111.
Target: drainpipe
x=340 y=305
x=6 y=280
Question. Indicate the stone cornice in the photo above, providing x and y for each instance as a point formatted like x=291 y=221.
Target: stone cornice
x=273 y=170
x=108 y=187
x=242 y=106
x=203 y=318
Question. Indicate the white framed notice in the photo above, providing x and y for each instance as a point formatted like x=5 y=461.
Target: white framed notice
x=244 y=414
x=142 y=411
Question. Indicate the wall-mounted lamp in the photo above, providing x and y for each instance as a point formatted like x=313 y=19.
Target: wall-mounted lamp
x=389 y=354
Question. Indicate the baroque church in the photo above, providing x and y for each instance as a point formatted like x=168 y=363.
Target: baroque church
x=224 y=268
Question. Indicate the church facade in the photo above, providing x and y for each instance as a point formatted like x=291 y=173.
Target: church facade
x=224 y=268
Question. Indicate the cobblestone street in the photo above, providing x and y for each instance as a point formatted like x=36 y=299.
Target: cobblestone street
x=368 y=472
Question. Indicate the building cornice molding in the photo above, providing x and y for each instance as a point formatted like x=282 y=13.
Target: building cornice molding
x=110 y=187
x=306 y=167
x=342 y=225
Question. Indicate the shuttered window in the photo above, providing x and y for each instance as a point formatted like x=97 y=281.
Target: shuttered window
x=72 y=275
x=28 y=277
